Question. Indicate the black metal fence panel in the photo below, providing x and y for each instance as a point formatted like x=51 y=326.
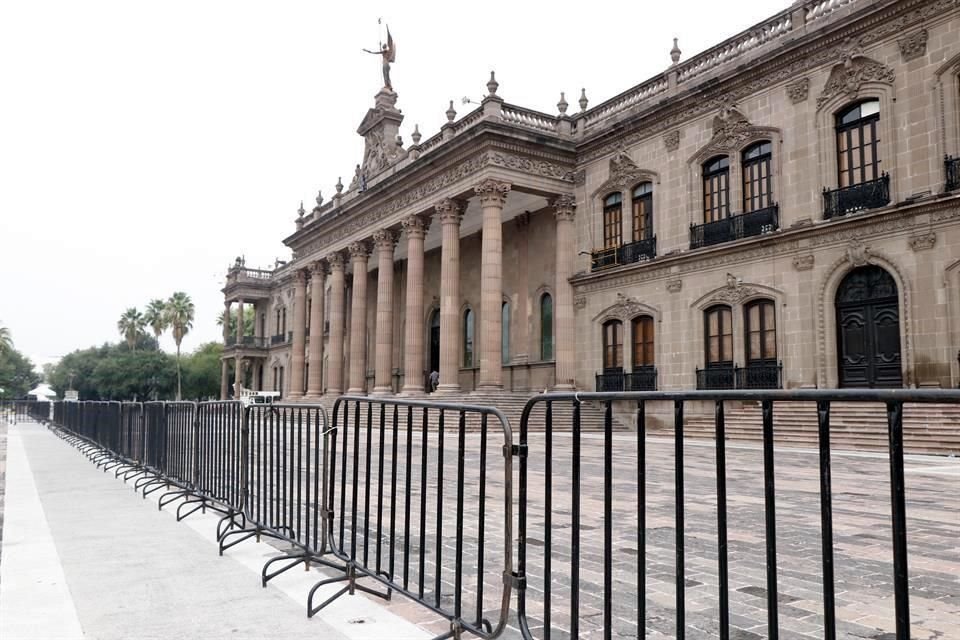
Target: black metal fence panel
x=420 y=499
x=607 y=489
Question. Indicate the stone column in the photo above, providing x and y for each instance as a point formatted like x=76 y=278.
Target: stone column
x=359 y=254
x=237 y=377
x=318 y=276
x=297 y=360
x=338 y=295
x=385 y=241
x=564 y=338
x=493 y=195
x=224 y=380
x=415 y=227
x=239 y=321
x=450 y=213
x=226 y=323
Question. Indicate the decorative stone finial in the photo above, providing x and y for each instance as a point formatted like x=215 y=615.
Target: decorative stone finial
x=301 y=210
x=319 y=199
x=339 y=185
x=415 y=136
x=451 y=112
x=675 y=52
x=399 y=141
x=492 y=85
x=562 y=105
x=583 y=99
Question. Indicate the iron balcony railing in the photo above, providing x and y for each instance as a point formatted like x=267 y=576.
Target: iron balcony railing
x=257 y=342
x=859 y=197
x=951 y=168
x=745 y=225
x=277 y=339
x=640 y=379
x=639 y=251
x=753 y=376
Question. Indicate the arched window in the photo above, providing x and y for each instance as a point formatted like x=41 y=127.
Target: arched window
x=468 y=338
x=283 y=324
x=643 y=351
x=757 y=182
x=612 y=345
x=718 y=336
x=612 y=220
x=546 y=327
x=716 y=189
x=642 y=211
x=505 y=332
x=761 y=332
x=857 y=143
x=277 y=326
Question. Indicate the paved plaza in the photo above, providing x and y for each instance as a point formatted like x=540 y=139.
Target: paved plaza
x=119 y=565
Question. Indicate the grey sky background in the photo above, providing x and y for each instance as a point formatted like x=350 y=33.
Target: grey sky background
x=143 y=146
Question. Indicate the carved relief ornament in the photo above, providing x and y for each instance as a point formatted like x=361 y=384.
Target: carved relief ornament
x=913 y=46
x=803 y=263
x=624 y=174
x=799 y=90
x=847 y=77
x=923 y=242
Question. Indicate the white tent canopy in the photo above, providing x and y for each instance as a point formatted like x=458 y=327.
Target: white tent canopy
x=43 y=391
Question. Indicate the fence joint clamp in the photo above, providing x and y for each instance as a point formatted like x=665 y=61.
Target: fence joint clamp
x=515 y=580
x=517 y=450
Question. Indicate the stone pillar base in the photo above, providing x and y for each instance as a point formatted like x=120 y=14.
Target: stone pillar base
x=564 y=387
x=356 y=392
x=382 y=391
x=488 y=387
x=294 y=396
x=412 y=393
x=447 y=390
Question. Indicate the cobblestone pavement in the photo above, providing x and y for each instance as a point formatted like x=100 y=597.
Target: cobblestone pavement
x=862 y=531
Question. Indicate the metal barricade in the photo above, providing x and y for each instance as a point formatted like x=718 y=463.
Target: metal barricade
x=396 y=498
x=180 y=468
x=555 y=550
x=282 y=465
x=219 y=463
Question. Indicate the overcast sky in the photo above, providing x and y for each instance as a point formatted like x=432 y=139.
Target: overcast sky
x=143 y=146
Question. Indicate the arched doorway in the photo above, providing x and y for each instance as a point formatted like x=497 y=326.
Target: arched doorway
x=434 y=341
x=868 y=329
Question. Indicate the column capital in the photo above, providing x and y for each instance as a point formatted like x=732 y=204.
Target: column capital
x=449 y=211
x=415 y=225
x=385 y=239
x=300 y=277
x=337 y=261
x=492 y=192
x=318 y=269
x=359 y=251
x=564 y=206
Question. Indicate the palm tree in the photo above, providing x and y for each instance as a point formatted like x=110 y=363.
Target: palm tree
x=131 y=325
x=179 y=313
x=156 y=317
x=6 y=340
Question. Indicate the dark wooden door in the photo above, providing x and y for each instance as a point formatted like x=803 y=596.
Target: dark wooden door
x=868 y=330
x=434 y=342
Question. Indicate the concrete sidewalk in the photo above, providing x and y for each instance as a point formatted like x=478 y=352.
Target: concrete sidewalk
x=85 y=557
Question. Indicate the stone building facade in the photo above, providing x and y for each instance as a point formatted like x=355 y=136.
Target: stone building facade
x=782 y=210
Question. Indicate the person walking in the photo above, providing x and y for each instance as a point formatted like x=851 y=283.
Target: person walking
x=434 y=380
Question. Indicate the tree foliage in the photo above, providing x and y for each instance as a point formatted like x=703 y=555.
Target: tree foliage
x=249 y=319
x=17 y=375
x=131 y=325
x=201 y=372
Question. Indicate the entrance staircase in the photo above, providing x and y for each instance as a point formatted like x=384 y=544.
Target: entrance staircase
x=927 y=428
x=512 y=403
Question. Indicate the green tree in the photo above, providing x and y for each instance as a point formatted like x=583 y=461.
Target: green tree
x=156 y=317
x=249 y=319
x=6 y=340
x=114 y=372
x=131 y=325
x=180 y=313
x=17 y=375
x=201 y=372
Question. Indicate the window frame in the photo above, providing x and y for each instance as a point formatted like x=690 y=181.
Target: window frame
x=755 y=159
x=716 y=185
x=468 y=342
x=612 y=329
x=613 y=220
x=547 y=347
x=849 y=144
x=724 y=330
x=762 y=331
x=642 y=211
x=643 y=342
